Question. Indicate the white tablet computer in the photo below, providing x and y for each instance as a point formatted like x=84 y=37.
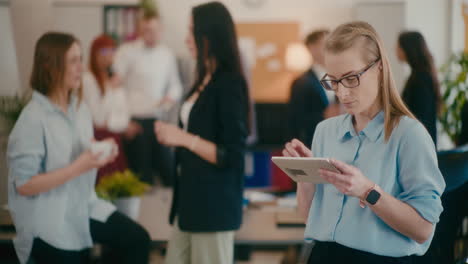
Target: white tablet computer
x=304 y=169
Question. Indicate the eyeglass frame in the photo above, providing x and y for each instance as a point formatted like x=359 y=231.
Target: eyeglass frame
x=357 y=75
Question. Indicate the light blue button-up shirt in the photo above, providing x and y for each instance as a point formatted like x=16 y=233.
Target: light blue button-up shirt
x=405 y=167
x=45 y=139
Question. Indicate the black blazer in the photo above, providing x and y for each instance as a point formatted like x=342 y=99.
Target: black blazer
x=208 y=197
x=306 y=106
x=421 y=100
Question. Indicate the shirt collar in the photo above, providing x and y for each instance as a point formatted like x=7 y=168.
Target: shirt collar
x=45 y=102
x=319 y=70
x=372 y=131
x=141 y=45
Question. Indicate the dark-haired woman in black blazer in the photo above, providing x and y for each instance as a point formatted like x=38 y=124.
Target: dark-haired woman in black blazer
x=210 y=144
x=421 y=92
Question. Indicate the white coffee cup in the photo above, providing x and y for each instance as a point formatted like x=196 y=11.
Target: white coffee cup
x=105 y=148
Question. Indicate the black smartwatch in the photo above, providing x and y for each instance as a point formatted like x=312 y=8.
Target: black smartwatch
x=373 y=197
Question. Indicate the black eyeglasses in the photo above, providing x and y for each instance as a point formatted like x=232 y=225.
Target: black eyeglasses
x=348 y=81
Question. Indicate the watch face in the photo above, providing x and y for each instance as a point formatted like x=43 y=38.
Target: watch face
x=373 y=197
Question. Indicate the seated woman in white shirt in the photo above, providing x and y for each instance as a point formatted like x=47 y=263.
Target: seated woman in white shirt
x=107 y=101
x=52 y=170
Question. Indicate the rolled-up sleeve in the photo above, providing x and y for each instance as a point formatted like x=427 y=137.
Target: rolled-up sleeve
x=26 y=150
x=419 y=174
x=233 y=107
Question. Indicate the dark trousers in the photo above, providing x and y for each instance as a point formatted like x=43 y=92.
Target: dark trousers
x=127 y=240
x=334 y=253
x=147 y=157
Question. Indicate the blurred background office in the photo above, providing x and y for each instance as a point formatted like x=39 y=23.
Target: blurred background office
x=271 y=41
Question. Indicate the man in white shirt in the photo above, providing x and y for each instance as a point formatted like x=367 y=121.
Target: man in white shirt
x=150 y=76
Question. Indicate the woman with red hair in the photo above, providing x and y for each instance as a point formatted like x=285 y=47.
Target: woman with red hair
x=106 y=100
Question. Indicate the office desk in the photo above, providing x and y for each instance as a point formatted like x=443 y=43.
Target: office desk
x=258 y=227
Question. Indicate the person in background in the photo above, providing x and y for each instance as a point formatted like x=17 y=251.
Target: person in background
x=421 y=92
x=52 y=170
x=210 y=144
x=384 y=202
x=106 y=100
x=463 y=138
x=150 y=76
x=444 y=243
x=308 y=99
x=247 y=70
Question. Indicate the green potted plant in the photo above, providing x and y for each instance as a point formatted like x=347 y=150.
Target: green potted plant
x=10 y=109
x=124 y=189
x=455 y=87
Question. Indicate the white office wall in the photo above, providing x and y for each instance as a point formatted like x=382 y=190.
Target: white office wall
x=378 y=14
x=83 y=21
x=457 y=32
x=431 y=18
x=9 y=85
x=30 y=19
x=8 y=63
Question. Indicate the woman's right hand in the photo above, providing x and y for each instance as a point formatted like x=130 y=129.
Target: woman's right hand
x=296 y=148
x=89 y=160
x=305 y=190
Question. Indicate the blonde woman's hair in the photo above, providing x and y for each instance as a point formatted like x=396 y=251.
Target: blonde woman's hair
x=360 y=33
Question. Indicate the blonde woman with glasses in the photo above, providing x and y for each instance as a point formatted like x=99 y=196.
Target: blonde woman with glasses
x=384 y=203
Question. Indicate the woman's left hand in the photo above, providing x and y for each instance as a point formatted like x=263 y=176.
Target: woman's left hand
x=350 y=181
x=169 y=135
